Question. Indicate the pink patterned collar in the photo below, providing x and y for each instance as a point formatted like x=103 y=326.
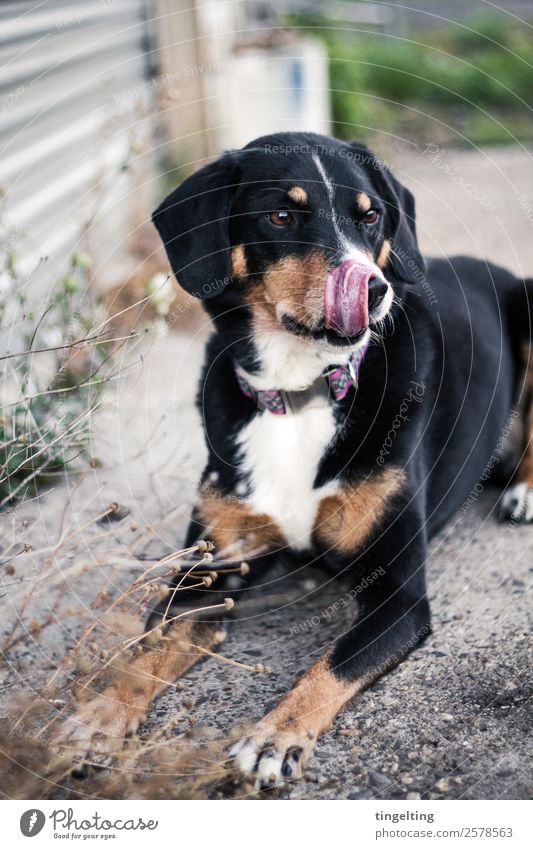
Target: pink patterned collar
x=336 y=383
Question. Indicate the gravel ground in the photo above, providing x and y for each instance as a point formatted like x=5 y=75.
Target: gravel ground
x=452 y=721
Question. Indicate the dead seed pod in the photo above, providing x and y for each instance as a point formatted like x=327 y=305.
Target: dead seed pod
x=244 y=569
x=230 y=604
x=201 y=545
x=114 y=513
x=204 y=545
x=207 y=581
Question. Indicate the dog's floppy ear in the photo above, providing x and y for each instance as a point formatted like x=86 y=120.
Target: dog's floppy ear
x=193 y=223
x=406 y=263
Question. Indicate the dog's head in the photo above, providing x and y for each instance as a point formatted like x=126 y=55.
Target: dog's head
x=310 y=234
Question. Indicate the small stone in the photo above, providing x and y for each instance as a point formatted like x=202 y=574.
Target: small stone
x=447 y=717
x=348 y=732
x=413 y=796
x=378 y=779
x=443 y=786
x=407 y=780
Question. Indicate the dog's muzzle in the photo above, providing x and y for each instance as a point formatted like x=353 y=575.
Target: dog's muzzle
x=352 y=291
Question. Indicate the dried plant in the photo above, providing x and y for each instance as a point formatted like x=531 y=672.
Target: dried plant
x=179 y=759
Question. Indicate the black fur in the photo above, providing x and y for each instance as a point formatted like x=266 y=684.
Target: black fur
x=451 y=353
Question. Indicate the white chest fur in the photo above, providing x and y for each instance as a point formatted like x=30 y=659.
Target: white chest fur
x=280 y=456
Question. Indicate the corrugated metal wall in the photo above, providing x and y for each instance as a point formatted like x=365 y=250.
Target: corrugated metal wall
x=71 y=77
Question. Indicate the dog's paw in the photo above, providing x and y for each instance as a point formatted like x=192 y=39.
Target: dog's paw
x=270 y=755
x=95 y=732
x=517 y=504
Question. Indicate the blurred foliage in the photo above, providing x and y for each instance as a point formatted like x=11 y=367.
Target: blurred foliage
x=55 y=381
x=464 y=84
x=64 y=355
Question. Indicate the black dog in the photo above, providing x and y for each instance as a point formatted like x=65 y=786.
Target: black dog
x=352 y=399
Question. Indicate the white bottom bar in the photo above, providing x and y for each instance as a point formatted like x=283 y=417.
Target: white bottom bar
x=232 y=824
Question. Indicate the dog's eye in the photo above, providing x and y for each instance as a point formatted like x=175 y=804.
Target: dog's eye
x=370 y=217
x=281 y=217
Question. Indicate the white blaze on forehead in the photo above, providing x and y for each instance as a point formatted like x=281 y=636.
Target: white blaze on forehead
x=329 y=184
x=350 y=251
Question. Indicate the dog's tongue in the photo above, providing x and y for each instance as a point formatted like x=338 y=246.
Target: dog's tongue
x=346 y=298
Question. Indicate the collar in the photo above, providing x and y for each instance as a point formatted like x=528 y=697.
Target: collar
x=331 y=385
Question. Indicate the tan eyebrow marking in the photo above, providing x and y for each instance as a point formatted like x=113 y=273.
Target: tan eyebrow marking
x=363 y=202
x=298 y=195
x=384 y=253
x=238 y=262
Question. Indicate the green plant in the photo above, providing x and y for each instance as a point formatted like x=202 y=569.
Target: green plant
x=473 y=82
x=53 y=381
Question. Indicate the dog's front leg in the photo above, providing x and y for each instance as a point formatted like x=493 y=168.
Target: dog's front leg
x=99 y=728
x=393 y=618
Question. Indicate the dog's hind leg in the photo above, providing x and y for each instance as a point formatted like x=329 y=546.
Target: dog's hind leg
x=517 y=502
x=100 y=727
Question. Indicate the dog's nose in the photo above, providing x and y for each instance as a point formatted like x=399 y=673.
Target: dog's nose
x=377 y=289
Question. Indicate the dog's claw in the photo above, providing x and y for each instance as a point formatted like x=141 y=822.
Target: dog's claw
x=95 y=733
x=80 y=772
x=270 y=759
x=517 y=504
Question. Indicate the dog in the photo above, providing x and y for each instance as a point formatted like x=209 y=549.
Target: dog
x=353 y=395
